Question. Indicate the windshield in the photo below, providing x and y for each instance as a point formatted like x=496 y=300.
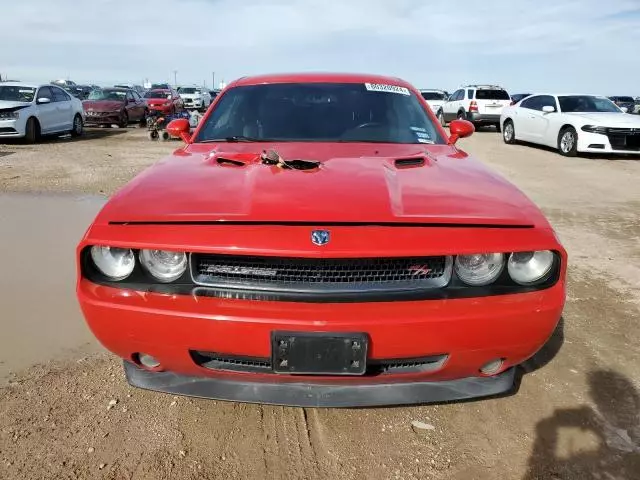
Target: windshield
x=586 y=103
x=157 y=94
x=118 y=95
x=433 y=95
x=188 y=90
x=320 y=112
x=164 y=86
x=486 y=94
x=17 y=93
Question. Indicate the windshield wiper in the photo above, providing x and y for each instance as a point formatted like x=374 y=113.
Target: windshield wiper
x=239 y=138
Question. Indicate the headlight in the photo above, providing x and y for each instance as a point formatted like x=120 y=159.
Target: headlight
x=114 y=263
x=594 y=129
x=9 y=115
x=479 y=269
x=526 y=268
x=163 y=265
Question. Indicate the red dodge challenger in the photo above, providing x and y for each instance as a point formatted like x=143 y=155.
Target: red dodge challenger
x=321 y=241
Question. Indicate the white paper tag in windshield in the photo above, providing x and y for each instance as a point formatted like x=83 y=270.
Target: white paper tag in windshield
x=380 y=87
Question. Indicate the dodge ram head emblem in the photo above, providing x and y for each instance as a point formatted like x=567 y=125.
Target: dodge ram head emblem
x=320 y=237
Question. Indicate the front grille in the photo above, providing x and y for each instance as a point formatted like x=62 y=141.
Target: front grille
x=624 y=138
x=237 y=363
x=320 y=274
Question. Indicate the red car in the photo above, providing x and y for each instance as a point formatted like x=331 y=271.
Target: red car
x=109 y=106
x=163 y=101
x=321 y=241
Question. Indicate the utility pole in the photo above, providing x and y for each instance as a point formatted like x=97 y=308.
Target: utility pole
x=175 y=78
x=213 y=80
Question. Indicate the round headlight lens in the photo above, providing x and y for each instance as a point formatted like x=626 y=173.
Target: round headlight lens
x=165 y=266
x=115 y=263
x=479 y=269
x=526 y=268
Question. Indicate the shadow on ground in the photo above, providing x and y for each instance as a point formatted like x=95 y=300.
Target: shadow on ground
x=585 y=442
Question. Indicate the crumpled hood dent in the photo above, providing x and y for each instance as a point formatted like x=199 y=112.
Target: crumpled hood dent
x=357 y=183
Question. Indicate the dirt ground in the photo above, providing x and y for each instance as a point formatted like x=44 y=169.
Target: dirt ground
x=66 y=411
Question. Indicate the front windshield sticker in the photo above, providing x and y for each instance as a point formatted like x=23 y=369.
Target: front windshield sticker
x=425 y=140
x=379 y=87
x=418 y=129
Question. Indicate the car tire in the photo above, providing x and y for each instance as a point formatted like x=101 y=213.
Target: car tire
x=164 y=136
x=32 y=131
x=441 y=118
x=78 y=126
x=568 y=142
x=462 y=115
x=124 y=120
x=509 y=132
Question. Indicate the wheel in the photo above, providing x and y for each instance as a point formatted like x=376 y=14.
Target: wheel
x=32 y=132
x=164 y=136
x=153 y=135
x=78 y=126
x=568 y=142
x=498 y=127
x=462 y=115
x=441 y=119
x=509 y=133
x=124 y=120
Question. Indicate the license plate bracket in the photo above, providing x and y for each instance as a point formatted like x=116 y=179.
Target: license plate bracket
x=319 y=353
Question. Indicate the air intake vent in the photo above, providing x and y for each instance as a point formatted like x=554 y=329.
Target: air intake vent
x=409 y=162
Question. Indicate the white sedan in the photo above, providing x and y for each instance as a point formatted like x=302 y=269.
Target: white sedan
x=572 y=124
x=28 y=111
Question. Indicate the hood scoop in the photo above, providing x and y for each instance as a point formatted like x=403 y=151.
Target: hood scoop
x=410 y=162
x=272 y=157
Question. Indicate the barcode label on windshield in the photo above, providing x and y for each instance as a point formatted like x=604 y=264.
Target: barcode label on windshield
x=380 y=87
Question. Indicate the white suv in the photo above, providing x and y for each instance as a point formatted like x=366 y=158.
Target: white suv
x=434 y=98
x=480 y=104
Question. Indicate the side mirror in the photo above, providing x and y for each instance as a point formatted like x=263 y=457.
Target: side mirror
x=548 y=109
x=43 y=100
x=179 y=128
x=624 y=109
x=460 y=129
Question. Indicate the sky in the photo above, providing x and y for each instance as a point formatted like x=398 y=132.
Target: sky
x=586 y=46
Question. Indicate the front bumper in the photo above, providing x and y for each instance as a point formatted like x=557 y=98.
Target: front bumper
x=107 y=118
x=161 y=109
x=470 y=332
x=598 y=143
x=303 y=394
x=13 y=128
x=483 y=117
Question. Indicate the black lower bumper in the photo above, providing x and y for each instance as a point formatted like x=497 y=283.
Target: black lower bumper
x=321 y=395
x=483 y=117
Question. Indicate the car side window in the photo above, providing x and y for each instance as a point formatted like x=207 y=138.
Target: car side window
x=470 y=94
x=45 y=92
x=548 y=101
x=531 y=103
x=129 y=96
x=136 y=95
x=456 y=96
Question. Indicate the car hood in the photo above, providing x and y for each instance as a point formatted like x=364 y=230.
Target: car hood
x=102 y=105
x=191 y=95
x=608 y=119
x=11 y=105
x=355 y=183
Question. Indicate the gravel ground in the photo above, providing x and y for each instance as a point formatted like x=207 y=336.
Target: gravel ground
x=576 y=417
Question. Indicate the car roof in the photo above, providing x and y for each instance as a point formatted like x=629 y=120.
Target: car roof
x=312 y=77
x=21 y=84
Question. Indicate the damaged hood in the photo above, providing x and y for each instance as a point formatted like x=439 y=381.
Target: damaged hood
x=355 y=182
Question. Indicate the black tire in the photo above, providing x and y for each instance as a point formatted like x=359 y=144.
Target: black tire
x=462 y=115
x=498 y=129
x=509 y=132
x=78 y=126
x=164 y=136
x=153 y=135
x=441 y=118
x=124 y=120
x=32 y=131
x=568 y=142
